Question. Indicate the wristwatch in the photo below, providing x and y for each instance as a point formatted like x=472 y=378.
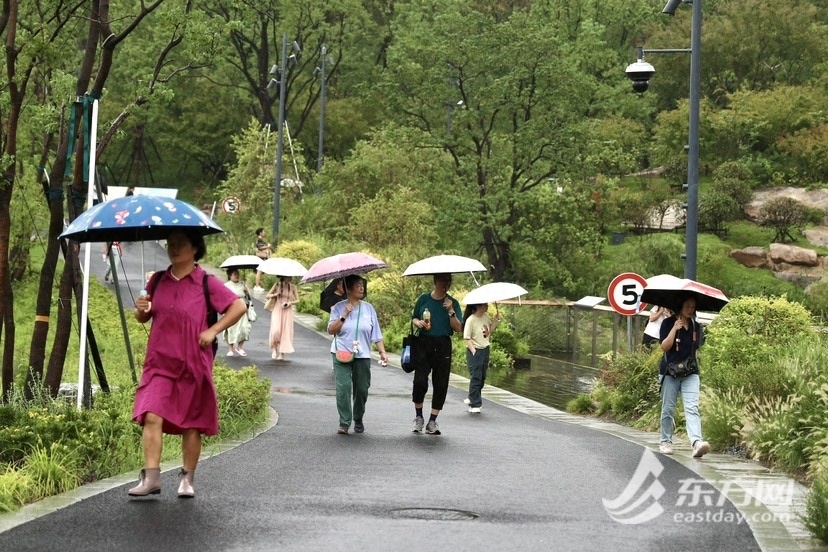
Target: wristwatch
x=342 y=319
x=452 y=313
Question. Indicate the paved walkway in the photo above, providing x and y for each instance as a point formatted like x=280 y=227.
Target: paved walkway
x=520 y=475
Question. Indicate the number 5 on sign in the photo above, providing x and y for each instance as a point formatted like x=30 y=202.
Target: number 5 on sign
x=624 y=293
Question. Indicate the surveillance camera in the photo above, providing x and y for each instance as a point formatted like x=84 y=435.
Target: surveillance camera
x=671 y=7
x=274 y=69
x=640 y=74
x=272 y=84
x=296 y=46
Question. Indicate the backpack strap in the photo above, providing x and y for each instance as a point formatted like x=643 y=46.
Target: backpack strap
x=212 y=314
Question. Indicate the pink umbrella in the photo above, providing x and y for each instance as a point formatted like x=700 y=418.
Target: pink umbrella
x=341 y=265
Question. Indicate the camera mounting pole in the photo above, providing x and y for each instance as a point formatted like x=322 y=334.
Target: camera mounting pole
x=640 y=74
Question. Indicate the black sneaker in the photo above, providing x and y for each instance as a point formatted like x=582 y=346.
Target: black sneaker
x=359 y=427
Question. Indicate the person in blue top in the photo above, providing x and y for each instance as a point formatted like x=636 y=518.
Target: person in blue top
x=355 y=327
x=437 y=315
x=681 y=337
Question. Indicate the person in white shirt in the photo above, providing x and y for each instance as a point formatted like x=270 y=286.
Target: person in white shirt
x=476 y=331
x=652 y=330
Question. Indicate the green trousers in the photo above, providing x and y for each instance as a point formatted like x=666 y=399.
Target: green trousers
x=352 y=383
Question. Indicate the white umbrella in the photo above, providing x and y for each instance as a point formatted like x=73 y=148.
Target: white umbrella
x=492 y=293
x=445 y=264
x=241 y=262
x=282 y=266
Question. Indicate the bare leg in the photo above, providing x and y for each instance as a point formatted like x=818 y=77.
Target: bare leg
x=152 y=440
x=190 y=448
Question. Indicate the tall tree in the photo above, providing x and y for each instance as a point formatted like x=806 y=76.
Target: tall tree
x=506 y=99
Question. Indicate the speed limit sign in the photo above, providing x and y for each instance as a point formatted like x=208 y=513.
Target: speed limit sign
x=624 y=293
x=231 y=205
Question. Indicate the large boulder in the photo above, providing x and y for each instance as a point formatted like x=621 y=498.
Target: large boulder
x=752 y=257
x=791 y=254
x=812 y=198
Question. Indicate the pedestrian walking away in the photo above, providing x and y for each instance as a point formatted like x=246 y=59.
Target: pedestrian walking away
x=355 y=326
x=238 y=333
x=280 y=301
x=437 y=316
x=477 y=329
x=116 y=251
x=177 y=395
x=681 y=337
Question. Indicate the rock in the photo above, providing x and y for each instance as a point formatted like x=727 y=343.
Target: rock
x=818 y=235
x=802 y=280
x=812 y=198
x=791 y=254
x=752 y=257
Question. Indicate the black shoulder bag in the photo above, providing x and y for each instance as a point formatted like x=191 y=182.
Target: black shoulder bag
x=409 y=350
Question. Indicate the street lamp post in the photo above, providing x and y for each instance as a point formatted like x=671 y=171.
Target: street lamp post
x=277 y=192
x=640 y=73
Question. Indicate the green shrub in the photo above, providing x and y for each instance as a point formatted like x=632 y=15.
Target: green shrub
x=582 y=404
x=242 y=396
x=633 y=379
x=52 y=470
x=816 y=505
x=722 y=417
x=15 y=489
x=741 y=340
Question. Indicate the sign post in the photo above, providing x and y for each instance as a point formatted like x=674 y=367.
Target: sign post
x=624 y=294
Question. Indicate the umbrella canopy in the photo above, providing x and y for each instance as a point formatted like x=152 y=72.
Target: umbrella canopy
x=444 y=264
x=492 y=293
x=241 y=262
x=138 y=218
x=282 y=266
x=341 y=265
x=669 y=291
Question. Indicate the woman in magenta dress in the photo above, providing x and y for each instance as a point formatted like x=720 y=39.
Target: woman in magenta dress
x=284 y=295
x=177 y=395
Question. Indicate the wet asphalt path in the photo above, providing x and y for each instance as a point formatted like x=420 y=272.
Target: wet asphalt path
x=501 y=480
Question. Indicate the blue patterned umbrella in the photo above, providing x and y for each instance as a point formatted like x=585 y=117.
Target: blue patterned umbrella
x=138 y=218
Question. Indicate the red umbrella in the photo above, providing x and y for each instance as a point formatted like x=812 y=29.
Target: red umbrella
x=341 y=265
x=668 y=291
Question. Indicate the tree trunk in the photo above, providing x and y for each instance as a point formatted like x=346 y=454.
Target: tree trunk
x=63 y=331
x=8 y=350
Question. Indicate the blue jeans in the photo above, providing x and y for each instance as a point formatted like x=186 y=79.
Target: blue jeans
x=688 y=386
x=478 y=365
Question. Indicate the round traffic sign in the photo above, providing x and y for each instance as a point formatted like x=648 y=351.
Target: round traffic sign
x=624 y=293
x=231 y=205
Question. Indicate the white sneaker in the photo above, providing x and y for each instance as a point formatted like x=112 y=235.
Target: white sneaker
x=258 y=288
x=700 y=448
x=474 y=409
x=466 y=401
x=665 y=448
